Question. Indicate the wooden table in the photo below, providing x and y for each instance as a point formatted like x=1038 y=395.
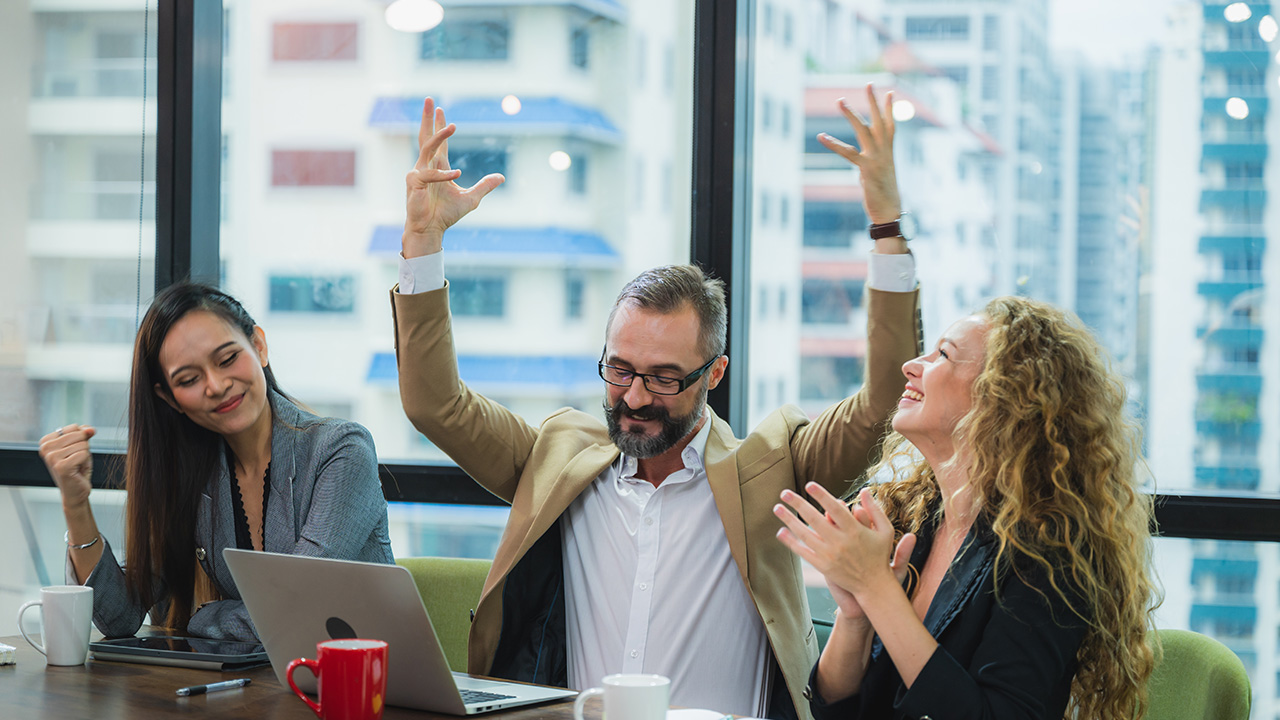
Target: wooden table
x=100 y=690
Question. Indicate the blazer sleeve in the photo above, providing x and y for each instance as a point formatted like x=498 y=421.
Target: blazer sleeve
x=842 y=442
x=1022 y=666
x=115 y=612
x=489 y=442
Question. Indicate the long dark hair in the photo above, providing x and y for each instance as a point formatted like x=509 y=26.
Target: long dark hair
x=170 y=460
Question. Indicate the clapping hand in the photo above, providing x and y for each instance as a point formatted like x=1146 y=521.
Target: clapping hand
x=850 y=546
x=434 y=202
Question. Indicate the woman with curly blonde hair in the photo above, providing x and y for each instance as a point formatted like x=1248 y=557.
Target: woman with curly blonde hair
x=1015 y=518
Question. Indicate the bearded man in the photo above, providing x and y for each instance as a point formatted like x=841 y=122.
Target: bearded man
x=645 y=545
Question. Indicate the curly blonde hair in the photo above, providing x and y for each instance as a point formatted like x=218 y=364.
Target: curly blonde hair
x=1052 y=468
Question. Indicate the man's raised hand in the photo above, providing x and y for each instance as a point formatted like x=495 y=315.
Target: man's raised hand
x=433 y=201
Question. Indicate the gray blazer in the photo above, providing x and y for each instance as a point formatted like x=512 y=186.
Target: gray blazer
x=326 y=501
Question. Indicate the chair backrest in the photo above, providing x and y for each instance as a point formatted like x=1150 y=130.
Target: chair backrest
x=822 y=628
x=1198 y=677
x=450 y=590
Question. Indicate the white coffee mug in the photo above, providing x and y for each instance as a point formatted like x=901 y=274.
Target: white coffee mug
x=66 y=614
x=630 y=697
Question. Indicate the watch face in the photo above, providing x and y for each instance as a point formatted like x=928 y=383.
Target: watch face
x=907 y=226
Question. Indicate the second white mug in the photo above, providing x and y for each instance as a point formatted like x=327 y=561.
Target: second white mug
x=67 y=614
x=629 y=697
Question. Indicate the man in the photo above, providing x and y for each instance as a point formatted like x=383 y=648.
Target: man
x=647 y=544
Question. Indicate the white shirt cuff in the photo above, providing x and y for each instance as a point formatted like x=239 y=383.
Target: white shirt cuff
x=421 y=274
x=891 y=273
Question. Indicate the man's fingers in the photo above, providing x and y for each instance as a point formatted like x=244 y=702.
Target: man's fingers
x=865 y=138
x=839 y=147
x=877 y=118
x=443 y=155
x=435 y=145
x=484 y=186
x=890 y=124
x=425 y=127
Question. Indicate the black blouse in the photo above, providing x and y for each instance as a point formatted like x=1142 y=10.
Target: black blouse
x=243 y=540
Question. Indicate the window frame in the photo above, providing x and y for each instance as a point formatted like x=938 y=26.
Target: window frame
x=190 y=34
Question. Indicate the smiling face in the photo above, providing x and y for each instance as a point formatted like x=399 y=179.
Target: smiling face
x=643 y=424
x=939 y=389
x=213 y=374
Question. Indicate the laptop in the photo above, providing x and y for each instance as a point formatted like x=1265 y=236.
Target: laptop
x=296 y=602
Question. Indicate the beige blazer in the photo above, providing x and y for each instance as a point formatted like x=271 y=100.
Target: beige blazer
x=540 y=471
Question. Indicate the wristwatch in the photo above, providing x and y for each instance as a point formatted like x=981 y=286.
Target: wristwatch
x=904 y=227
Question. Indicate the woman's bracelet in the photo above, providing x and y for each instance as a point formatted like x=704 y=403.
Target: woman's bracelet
x=66 y=537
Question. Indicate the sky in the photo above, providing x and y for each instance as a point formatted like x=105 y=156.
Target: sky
x=1107 y=31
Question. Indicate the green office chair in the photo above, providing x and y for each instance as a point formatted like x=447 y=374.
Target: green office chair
x=1197 y=677
x=822 y=628
x=450 y=590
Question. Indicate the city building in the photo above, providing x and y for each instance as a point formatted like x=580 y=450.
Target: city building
x=1214 y=415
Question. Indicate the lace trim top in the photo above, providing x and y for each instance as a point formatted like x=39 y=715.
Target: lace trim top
x=244 y=540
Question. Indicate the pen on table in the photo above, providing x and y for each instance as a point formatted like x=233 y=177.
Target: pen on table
x=214 y=687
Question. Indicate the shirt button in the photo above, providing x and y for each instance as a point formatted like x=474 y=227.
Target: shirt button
x=635 y=653
x=648 y=521
x=200 y=553
x=644 y=586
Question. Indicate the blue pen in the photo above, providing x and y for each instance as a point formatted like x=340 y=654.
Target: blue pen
x=214 y=687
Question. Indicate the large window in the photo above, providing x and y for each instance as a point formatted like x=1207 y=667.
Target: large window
x=1121 y=174
x=533 y=271
x=1124 y=177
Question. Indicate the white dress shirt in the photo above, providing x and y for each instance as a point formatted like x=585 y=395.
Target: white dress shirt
x=651 y=587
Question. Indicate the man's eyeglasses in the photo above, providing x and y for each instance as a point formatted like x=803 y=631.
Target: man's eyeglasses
x=656 y=384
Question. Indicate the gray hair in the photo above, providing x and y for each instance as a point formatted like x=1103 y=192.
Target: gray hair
x=671 y=288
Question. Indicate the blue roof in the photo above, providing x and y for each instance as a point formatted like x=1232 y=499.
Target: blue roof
x=517 y=246
x=609 y=9
x=513 y=374
x=484 y=116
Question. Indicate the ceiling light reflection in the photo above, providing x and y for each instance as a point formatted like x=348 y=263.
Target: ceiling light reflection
x=414 y=15
x=1267 y=28
x=1238 y=108
x=1237 y=12
x=560 y=161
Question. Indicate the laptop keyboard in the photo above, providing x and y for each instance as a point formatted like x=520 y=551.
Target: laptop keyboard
x=475 y=696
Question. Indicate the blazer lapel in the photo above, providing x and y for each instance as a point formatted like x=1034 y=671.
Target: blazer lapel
x=551 y=499
x=279 y=527
x=967 y=574
x=722 y=474
x=215 y=527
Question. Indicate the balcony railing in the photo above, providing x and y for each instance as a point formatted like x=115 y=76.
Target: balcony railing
x=83 y=324
x=97 y=79
x=106 y=200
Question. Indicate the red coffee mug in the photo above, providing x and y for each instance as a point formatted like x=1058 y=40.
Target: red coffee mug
x=351 y=679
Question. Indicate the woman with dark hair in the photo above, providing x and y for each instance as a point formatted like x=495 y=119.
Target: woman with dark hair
x=1002 y=569
x=218 y=457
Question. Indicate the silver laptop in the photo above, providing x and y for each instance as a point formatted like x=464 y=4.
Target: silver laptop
x=296 y=602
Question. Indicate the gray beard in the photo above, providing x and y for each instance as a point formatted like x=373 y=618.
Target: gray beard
x=642 y=446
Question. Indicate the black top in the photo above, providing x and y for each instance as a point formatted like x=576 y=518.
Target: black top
x=1009 y=655
x=243 y=539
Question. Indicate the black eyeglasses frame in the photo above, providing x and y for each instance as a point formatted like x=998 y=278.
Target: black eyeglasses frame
x=683 y=383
